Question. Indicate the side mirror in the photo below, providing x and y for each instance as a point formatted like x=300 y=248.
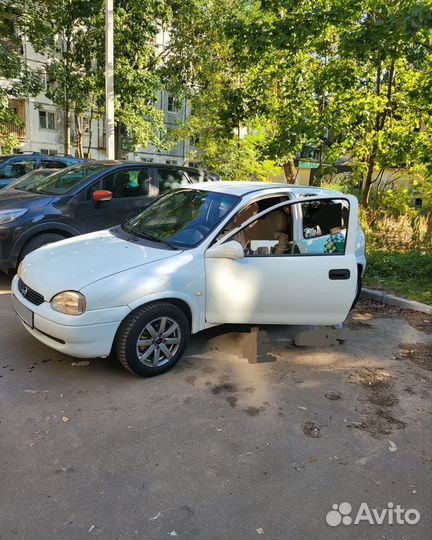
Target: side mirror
x=228 y=250
x=102 y=195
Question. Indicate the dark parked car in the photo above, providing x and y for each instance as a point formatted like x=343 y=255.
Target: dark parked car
x=17 y=165
x=80 y=199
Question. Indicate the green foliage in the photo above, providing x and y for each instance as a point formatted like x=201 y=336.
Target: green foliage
x=408 y=274
x=23 y=80
x=71 y=34
x=346 y=78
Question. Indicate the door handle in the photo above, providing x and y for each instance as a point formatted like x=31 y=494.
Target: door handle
x=339 y=273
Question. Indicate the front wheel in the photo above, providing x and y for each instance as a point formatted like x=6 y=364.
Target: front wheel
x=39 y=241
x=152 y=339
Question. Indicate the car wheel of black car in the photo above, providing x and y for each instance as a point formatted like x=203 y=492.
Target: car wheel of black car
x=152 y=339
x=39 y=241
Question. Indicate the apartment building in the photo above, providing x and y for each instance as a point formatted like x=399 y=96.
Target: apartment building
x=43 y=129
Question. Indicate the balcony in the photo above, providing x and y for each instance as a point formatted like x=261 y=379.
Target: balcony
x=19 y=132
x=18 y=106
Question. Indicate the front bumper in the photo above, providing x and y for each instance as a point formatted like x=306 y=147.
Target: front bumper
x=83 y=337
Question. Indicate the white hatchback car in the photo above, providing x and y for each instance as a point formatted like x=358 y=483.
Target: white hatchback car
x=209 y=254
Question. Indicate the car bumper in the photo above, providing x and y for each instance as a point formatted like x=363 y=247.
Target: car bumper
x=78 y=340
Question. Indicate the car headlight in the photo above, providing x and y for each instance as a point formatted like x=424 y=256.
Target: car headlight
x=20 y=269
x=10 y=215
x=69 y=302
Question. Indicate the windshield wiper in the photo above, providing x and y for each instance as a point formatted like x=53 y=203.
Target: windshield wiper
x=148 y=236
x=156 y=239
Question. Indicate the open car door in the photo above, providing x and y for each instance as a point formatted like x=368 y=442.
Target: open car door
x=270 y=281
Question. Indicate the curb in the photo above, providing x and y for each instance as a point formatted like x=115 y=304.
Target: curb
x=384 y=298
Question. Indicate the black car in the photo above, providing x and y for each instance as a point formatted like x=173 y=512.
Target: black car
x=80 y=199
x=16 y=165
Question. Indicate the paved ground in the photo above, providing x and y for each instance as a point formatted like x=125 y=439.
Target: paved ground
x=218 y=448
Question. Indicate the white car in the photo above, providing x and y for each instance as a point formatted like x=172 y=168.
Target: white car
x=209 y=254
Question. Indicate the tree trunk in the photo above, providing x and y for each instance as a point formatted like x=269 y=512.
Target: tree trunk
x=90 y=134
x=290 y=171
x=67 y=123
x=79 y=135
x=368 y=181
x=67 y=130
x=379 y=126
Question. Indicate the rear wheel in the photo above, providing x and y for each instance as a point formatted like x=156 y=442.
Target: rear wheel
x=39 y=241
x=152 y=339
x=359 y=288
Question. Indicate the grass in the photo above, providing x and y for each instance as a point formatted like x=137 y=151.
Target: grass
x=407 y=274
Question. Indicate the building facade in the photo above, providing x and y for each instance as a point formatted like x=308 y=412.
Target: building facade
x=43 y=129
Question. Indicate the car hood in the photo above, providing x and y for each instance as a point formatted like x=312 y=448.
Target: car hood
x=14 y=198
x=77 y=262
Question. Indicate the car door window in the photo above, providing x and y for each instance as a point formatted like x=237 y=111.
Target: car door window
x=274 y=233
x=171 y=179
x=196 y=176
x=126 y=183
x=19 y=168
x=249 y=211
x=53 y=164
x=324 y=226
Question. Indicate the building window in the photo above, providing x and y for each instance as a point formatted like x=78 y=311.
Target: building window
x=173 y=105
x=48 y=152
x=171 y=162
x=147 y=159
x=86 y=125
x=46 y=120
x=194 y=141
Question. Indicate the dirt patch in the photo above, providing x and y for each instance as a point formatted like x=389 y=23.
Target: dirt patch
x=419 y=353
x=374 y=378
x=384 y=401
x=357 y=320
x=232 y=400
x=311 y=430
x=391 y=419
x=252 y=411
x=369 y=309
x=378 y=391
x=224 y=387
x=373 y=426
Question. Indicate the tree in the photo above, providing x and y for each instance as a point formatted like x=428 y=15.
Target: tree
x=71 y=34
x=347 y=79
x=21 y=80
x=66 y=32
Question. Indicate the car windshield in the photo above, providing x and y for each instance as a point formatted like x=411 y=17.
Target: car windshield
x=182 y=218
x=65 y=180
x=29 y=179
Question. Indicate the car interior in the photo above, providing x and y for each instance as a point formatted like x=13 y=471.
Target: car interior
x=272 y=234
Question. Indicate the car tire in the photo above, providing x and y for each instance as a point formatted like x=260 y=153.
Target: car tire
x=358 y=290
x=39 y=241
x=152 y=339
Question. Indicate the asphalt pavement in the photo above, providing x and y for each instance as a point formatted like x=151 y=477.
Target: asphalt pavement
x=219 y=447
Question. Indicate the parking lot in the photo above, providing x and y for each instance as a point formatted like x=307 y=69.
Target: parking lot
x=219 y=447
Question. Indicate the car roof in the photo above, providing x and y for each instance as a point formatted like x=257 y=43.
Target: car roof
x=129 y=162
x=245 y=188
